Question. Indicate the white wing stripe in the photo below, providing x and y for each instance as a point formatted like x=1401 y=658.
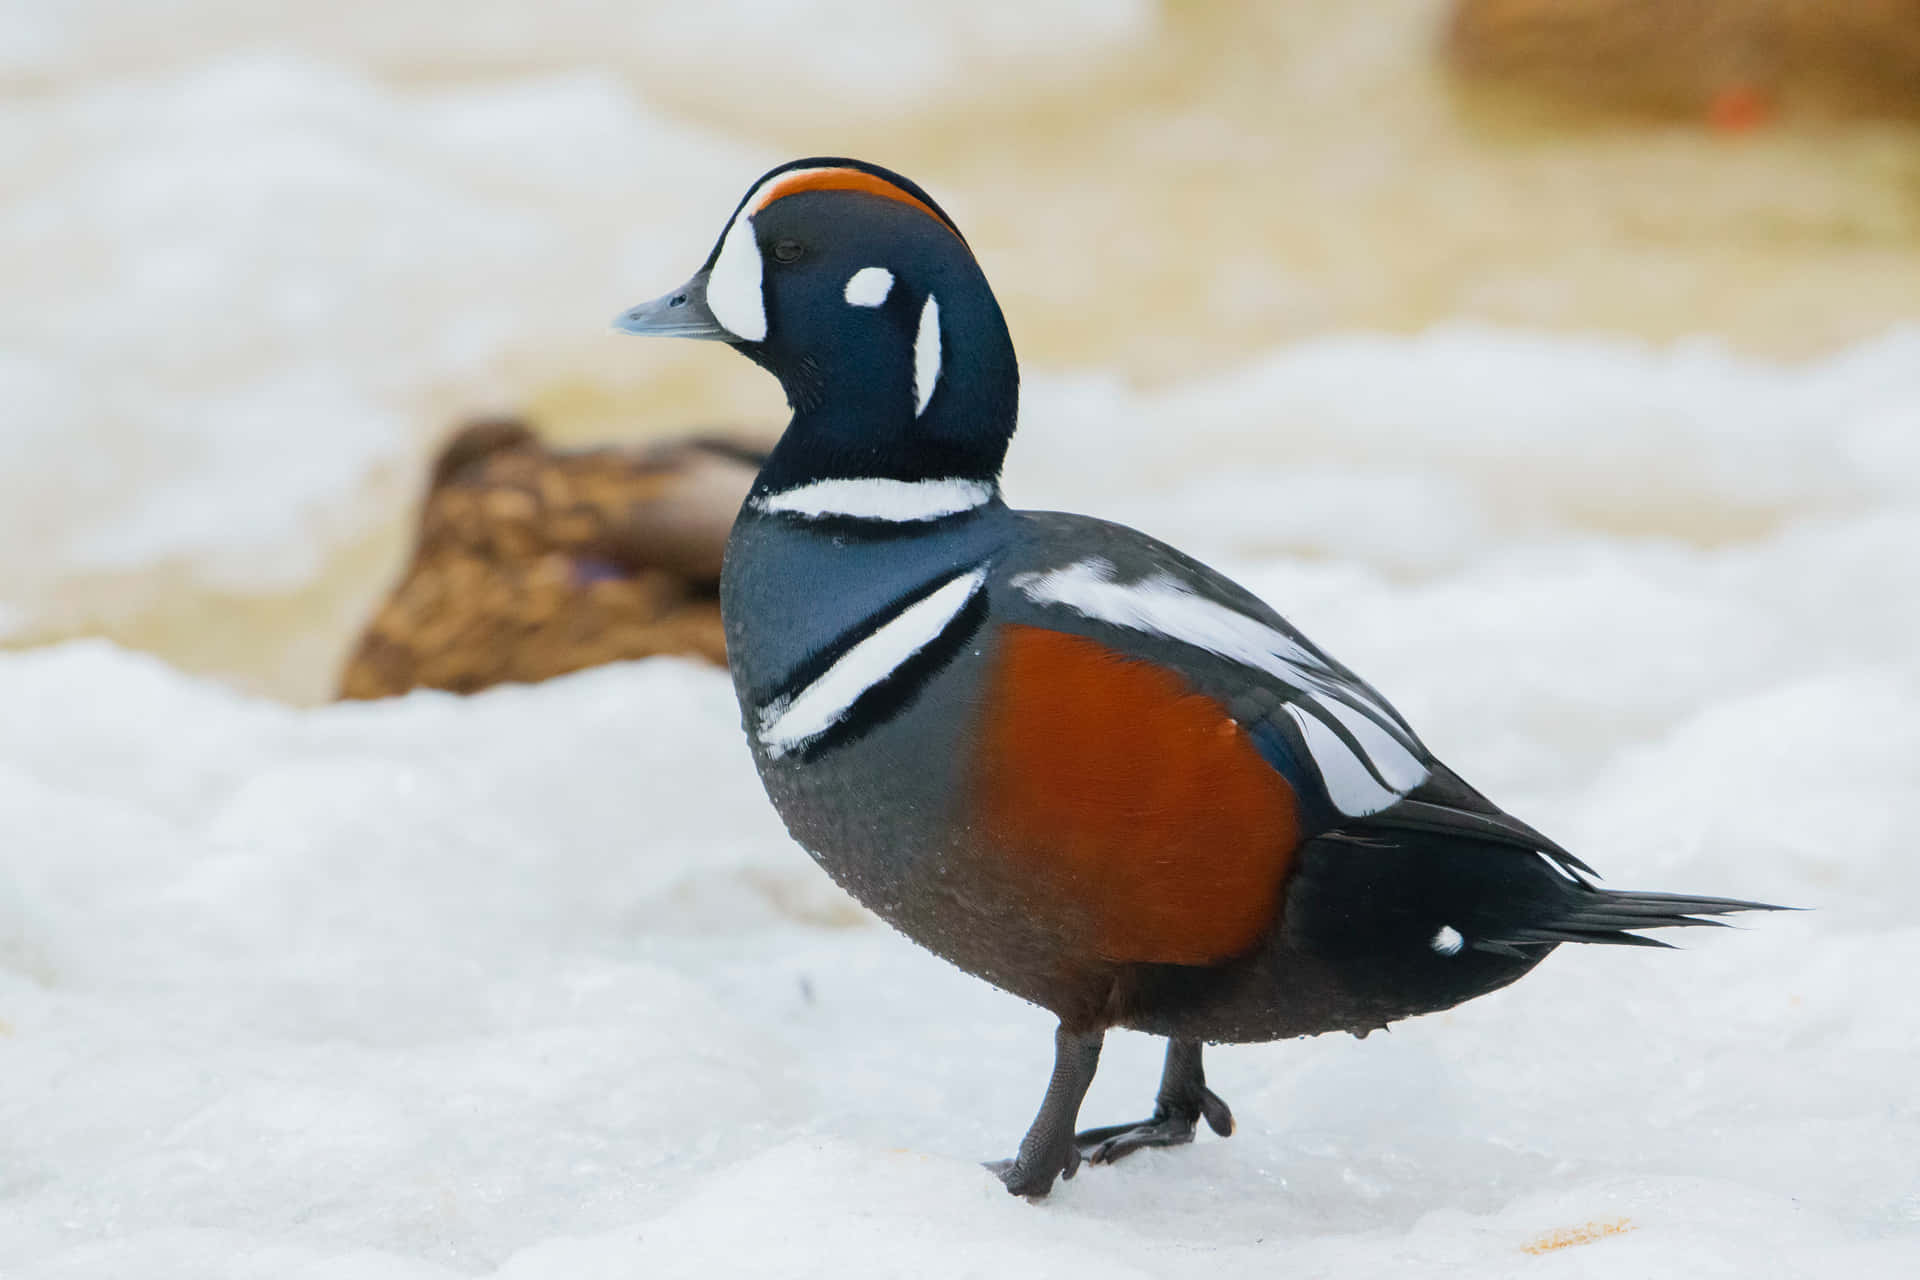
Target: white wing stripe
x=1352 y=788
x=1397 y=766
x=789 y=722
x=1168 y=607
x=1324 y=681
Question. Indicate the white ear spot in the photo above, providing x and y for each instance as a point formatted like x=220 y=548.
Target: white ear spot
x=1448 y=941
x=733 y=286
x=869 y=287
x=926 y=356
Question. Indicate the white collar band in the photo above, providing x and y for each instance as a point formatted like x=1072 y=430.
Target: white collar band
x=898 y=501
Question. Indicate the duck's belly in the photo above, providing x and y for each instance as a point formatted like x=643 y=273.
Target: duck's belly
x=878 y=817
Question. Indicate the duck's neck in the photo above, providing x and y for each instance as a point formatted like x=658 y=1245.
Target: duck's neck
x=842 y=444
x=858 y=416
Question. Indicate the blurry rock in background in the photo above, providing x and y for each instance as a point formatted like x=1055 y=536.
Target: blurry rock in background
x=1730 y=63
x=531 y=562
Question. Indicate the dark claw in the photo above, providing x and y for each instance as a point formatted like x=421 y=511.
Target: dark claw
x=1036 y=1180
x=1052 y=1150
x=1219 y=1116
x=1048 y=1151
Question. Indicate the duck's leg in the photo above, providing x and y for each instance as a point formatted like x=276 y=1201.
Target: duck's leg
x=1183 y=1099
x=1049 y=1151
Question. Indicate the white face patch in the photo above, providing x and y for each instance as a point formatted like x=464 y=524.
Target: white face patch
x=926 y=356
x=734 y=287
x=901 y=501
x=790 y=722
x=1448 y=941
x=734 y=294
x=1389 y=762
x=869 y=287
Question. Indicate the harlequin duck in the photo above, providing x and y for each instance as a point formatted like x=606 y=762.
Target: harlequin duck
x=1054 y=751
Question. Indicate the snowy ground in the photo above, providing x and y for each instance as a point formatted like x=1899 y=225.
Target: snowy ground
x=532 y=984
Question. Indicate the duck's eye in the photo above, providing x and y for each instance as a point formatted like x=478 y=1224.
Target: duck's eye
x=787 y=251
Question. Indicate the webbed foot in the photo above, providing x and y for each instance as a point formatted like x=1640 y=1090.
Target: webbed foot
x=1184 y=1100
x=1165 y=1129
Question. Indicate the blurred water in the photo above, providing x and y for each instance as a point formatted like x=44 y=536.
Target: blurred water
x=260 y=257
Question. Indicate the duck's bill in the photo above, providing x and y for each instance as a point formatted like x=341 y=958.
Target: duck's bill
x=682 y=313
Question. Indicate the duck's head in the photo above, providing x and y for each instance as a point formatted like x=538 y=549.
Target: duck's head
x=858 y=292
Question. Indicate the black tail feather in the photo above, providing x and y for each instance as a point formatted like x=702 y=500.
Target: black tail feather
x=1591 y=914
x=1410 y=920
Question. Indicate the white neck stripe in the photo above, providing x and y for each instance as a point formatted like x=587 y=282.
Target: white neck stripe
x=1349 y=783
x=791 y=722
x=899 y=501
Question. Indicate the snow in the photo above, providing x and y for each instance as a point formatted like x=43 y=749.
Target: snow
x=901 y=56
x=532 y=984
x=239 y=288
x=1419 y=453
x=258 y=256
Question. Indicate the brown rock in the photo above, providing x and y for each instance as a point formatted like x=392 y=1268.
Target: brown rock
x=530 y=562
x=1731 y=63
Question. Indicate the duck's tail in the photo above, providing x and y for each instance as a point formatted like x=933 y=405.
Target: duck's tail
x=1587 y=913
x=1415 y=920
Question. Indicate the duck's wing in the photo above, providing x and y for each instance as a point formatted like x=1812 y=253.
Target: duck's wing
x=1352 y=760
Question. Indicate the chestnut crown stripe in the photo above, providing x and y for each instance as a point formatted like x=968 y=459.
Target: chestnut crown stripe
x=795 y=181
x=736 y=275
